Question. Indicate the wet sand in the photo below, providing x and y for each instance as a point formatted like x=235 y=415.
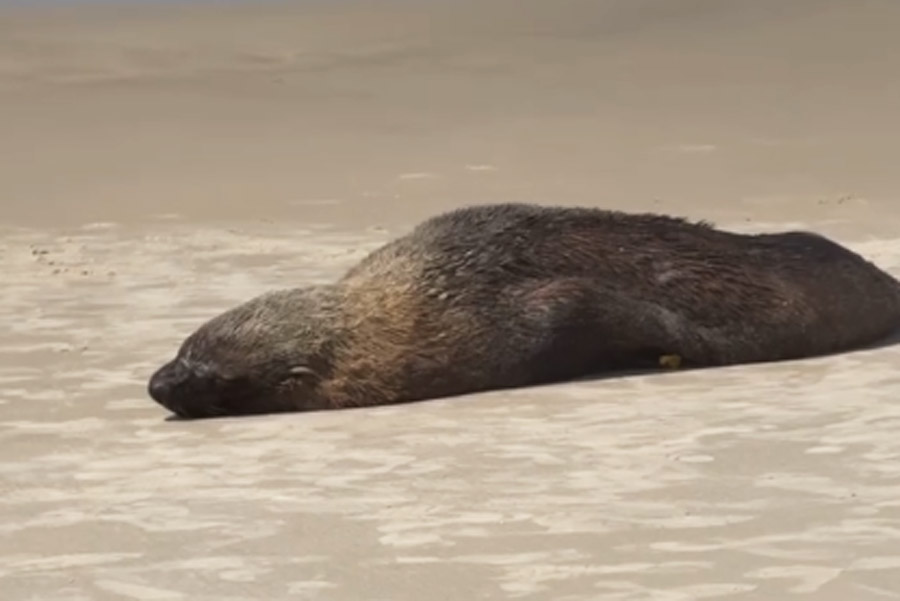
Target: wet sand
x=162 y=164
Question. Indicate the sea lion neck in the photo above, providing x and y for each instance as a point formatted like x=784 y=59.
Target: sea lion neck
x=323 y=308
x=321 y=305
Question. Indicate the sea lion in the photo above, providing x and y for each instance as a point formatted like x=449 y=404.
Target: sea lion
x=510 y=295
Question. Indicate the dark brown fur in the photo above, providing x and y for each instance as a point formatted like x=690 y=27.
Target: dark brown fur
x=510 y=295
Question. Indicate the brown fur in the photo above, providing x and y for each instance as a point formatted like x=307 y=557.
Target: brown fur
x=500 y=296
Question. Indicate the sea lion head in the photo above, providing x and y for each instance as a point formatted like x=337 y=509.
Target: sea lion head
x=264 y=356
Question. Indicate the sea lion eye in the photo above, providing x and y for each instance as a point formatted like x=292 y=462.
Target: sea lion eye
x=301 y=371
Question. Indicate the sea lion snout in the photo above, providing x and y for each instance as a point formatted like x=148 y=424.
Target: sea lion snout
x=170 y=382
x=164 y=379
x=196 y=388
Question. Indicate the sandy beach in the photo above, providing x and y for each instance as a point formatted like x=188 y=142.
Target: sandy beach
x=163 y=163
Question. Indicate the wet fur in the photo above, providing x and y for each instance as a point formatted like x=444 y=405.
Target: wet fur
x=501 y=296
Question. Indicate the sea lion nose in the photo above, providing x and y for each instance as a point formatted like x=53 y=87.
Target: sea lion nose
x=166 y=380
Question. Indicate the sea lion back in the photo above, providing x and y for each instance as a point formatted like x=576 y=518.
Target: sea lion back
x=742 y=297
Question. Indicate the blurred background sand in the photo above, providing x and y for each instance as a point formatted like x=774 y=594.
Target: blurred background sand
x=159 y=164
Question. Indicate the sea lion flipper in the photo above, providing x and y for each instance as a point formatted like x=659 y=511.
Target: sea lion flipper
x=670 y=361
x=603 y=327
